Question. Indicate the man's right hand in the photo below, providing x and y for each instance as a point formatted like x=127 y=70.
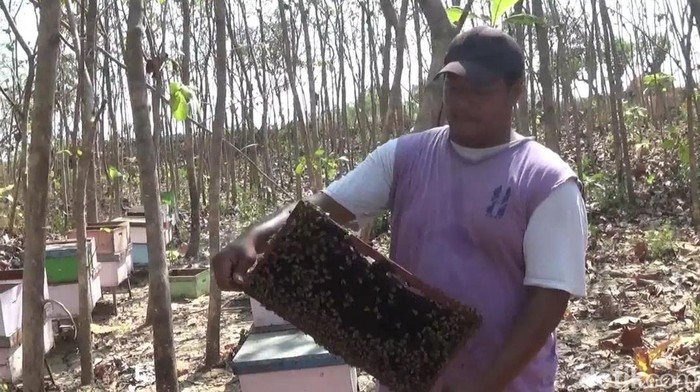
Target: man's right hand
x=232 y=263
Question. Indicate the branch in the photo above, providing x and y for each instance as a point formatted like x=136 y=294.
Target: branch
x=11 y=22
x=436 y=16
x=14 y=104
x=465 y=14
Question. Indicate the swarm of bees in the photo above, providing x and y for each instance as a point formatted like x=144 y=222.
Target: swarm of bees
x=314 y=277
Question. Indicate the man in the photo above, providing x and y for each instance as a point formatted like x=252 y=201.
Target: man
x=490 y=217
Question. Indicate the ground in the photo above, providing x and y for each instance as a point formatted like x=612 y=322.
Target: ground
x=638 y=325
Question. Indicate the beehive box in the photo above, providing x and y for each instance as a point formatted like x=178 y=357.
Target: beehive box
x=290 y=361
x=11 y=355
x=10 y=345
x=265 y=319
x=137 y=228
x=139 y=256
x=374 y=314
x=17 y=275
x=189 y=282
x=68 y=295
x=10 y=308
x=61 y=260
x=114 y=268
x=110 y=237
x=167 y=217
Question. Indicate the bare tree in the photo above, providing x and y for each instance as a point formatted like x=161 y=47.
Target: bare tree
x=214 y=319
x=85 y=160
x=48 y=45
x=159 y=288
x=545 y=76
x=195 y=227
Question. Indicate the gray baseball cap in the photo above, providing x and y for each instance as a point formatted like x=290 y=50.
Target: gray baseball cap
x=484 y=54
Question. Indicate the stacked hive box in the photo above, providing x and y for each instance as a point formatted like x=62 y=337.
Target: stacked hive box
x=62 y=275
x=11 y=325
x=278 y=357
x=113 y=251
x=137 y=226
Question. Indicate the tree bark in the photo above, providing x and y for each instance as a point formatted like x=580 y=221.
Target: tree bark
x=159 y=288
x=85 y=160
x=48 y=44
x=441 y=33
x=214 y=312
x=195 y=227
x=545 y=76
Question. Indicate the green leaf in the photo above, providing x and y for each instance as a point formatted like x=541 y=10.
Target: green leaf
x=78 y=152
x=168 y=198
x=301 y=166
x=454 y=13
x=657 y=80
x=500 y=7
x=319 y=153
x=113 y=173
x=524 y=19
x=182 y=100
x=67 y=152
x=106 y=229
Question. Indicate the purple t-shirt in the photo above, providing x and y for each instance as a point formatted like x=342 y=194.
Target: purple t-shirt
x=459 y=226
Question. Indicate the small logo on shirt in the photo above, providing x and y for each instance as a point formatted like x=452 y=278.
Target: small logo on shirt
x=499 y=203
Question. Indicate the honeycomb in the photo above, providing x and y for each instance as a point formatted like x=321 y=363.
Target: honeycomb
x=358 y=304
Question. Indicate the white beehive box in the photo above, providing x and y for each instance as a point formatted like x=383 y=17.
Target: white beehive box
x=290 y=361
x=263 y=318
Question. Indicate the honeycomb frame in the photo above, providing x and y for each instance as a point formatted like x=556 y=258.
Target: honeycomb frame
x=373 y=313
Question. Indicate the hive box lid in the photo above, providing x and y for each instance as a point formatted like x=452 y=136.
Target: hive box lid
x=281 y=350
x=134 y=221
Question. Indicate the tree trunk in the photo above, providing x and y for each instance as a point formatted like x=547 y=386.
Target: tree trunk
x=48 y=45
x=614 y=68
x=214 y=319
x=195 y=229
x=159 y=288
x=545 y=76
x=689 y=104
x=393 y=119
x=441 y=33
x=79 y=201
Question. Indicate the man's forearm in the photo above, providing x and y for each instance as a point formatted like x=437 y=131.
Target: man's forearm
x=539 y=319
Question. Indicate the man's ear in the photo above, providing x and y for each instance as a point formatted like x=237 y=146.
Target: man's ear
x=517 y=90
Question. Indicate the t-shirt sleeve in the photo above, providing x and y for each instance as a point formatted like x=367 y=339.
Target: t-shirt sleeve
x=364 y=191
x=556 y=240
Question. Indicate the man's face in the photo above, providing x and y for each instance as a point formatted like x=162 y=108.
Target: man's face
x=477 y=106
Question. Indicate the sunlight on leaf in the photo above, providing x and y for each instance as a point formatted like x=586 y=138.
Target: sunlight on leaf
x=6 y=189
x=182 y=101
x=454 y=13
x=523 y=19
x=301 y=166
x=106 y=229
x=113 y=173
x=657 y=80
x=168 y=198
x=500 y=7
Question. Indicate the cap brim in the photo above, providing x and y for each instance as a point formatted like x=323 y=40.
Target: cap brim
x=469 y=69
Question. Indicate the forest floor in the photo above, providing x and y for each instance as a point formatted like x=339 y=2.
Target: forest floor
x=638 y=326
